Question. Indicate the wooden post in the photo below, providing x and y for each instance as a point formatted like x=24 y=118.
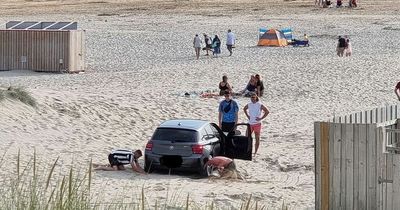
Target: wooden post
x=324 y=165
x=396 y=181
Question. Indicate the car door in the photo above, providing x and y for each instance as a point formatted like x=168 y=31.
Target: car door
x=238 y=144
x=213 y=140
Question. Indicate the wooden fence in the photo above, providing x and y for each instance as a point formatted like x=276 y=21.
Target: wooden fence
x=378 y=115
x=357 y=166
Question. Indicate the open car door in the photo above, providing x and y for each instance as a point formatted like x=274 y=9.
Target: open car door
x=238 y=143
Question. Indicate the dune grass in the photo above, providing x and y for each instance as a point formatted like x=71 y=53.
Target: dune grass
x=36 y=189
x=19 y=94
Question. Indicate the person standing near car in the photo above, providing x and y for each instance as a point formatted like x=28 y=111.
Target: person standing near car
x=255 y=111
x=230 y=41
x=120 y=157
x=228 y=113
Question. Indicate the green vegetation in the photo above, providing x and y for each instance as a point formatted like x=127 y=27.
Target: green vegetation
x=35 y=189
x=17 y=93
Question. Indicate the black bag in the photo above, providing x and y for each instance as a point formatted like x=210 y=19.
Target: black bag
x=228 y=107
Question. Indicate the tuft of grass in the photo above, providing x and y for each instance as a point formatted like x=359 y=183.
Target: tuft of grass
x=18 y=93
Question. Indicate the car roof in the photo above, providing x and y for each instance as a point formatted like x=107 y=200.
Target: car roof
x=184 y=124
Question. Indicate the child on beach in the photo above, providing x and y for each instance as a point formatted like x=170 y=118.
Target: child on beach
x=224 y=86
x=348 y=49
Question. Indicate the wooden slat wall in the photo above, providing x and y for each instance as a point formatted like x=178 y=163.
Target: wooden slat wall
x=355 y=158
x=377 y=115
x=43 y=50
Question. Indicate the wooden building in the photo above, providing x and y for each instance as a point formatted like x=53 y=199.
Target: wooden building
x=42 y=46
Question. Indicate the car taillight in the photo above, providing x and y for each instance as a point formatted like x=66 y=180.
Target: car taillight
x=149 y=146
x=197 y=149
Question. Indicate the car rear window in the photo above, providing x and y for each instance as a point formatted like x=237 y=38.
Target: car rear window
x=175 y=135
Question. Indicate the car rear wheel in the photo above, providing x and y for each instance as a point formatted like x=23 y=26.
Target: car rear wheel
x=206 y=171
x=148 y=168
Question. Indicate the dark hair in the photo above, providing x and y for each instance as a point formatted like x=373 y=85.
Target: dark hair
x=224 y=77
x=227 y=92
x=139 y=152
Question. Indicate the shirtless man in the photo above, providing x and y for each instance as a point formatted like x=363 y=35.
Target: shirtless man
x=225 y=166
x=397 y=90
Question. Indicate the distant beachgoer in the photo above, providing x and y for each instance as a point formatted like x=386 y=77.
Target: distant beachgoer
x=120 y=157
x=352 y=3
x=255 y=112
x=228 y=113
x=339 y=3
x=305 y=37
x=216 y=44
x=341 y=46
x=225 y=166
x=197 y=45
x=230 y=41
x=251 y=86
x=207 y=41
x=397 y=90
x=224 y=86
x=348 y=49
x=260 y=86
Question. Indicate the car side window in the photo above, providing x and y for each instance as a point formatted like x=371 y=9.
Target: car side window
x=210 y=132
x=203 y=134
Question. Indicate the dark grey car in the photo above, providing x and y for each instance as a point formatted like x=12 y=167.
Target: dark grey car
x=188 y=144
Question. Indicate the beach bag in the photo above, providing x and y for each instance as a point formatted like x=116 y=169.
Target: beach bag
x=228 y=107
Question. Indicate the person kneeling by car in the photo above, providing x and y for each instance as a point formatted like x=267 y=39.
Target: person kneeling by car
x=120 y=157
x=225 y=166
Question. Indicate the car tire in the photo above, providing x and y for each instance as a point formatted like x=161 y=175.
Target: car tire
x=206 y=172
x=148 y=168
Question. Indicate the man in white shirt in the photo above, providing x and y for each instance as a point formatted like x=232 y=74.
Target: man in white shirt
x=197 y=45
x=230 y=41
x=253 y=111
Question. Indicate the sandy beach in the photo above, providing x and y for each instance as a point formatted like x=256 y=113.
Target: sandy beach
x=140 y=61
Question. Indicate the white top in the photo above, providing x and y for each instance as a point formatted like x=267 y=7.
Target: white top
x=197 y=42
x=230 y=39
x=254 y=112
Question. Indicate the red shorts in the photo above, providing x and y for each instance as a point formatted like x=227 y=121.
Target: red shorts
x=256 y=128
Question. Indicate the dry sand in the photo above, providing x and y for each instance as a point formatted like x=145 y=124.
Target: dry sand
x=140 y=60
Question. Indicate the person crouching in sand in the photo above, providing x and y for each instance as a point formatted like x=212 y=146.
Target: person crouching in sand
x=225 y=166
x=120 y=157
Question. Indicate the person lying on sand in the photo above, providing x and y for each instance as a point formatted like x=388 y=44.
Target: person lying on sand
x=226 y=167
x=120 y=157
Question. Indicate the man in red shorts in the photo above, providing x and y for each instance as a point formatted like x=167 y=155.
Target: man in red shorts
x=255 y=112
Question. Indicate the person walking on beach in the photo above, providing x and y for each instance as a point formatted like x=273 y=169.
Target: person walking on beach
x=397 y=90
x=197 y=45
x=341 y=46
x=228 y=113
x=255 y=111
x=216 y=44
x=207 y=41
x=348 y=49
x=120 y=157
x=226 y=167
x=230 y=41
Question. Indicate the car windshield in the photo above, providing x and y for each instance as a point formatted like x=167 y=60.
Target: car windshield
x=174 y=135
